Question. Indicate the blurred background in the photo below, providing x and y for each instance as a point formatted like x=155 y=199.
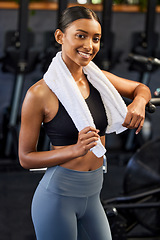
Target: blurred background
x=130 y=48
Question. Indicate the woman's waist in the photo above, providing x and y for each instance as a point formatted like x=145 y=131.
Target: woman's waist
x=68 y=182
x=88 y=162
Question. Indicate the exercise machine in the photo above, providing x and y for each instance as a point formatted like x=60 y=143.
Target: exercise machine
x=139 y=204
x=107 y=58
x=142 y=59
x=20 y=58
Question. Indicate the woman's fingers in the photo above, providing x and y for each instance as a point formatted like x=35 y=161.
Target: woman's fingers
x=88 y=129
x=87 y=139
x=134 y=120
x=88 y=135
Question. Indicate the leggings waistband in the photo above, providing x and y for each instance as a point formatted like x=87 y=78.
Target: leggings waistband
x=69 y=182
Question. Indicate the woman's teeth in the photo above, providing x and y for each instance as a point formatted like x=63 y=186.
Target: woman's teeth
x=86 y=55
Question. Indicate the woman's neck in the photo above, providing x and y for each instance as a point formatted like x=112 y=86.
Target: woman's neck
x=75 y=70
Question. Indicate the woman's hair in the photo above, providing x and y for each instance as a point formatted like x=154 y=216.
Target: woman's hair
x=72 y=14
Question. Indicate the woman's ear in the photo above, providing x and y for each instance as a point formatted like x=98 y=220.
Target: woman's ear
x=59 y=36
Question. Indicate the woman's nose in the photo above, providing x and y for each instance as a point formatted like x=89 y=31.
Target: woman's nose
x=88 y=44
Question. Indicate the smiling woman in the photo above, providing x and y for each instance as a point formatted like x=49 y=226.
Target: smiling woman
x=77 y=104
x=82 y=40
x=80 y=45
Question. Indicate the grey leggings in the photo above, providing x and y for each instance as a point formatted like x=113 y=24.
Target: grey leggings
x=66 y=206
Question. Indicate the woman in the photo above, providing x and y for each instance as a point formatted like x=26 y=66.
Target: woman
x=66 y=204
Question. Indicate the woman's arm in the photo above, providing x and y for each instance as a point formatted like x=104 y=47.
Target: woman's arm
x=139 y=93
x=32 y=116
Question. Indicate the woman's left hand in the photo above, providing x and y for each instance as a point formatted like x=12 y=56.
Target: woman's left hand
x=135 y=115
x=140 y=94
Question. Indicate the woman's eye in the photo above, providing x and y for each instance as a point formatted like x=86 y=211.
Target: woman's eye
x=80 y=36
x=96 y=39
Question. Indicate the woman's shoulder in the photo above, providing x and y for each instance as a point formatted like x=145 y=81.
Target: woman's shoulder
x=40 y=96
x=39 y=90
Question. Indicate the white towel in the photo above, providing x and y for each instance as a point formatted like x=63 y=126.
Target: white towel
x=60 y=80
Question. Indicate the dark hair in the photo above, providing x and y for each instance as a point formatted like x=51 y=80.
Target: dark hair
x=72 y=14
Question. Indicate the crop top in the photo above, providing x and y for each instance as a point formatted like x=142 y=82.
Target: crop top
x=61 y=129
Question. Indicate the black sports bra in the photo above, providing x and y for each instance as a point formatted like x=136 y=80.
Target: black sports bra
x=61 y=129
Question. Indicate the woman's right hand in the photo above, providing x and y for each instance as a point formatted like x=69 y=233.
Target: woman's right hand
x=87 y=139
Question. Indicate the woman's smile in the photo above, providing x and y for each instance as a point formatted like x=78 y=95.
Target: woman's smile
x=84 y=55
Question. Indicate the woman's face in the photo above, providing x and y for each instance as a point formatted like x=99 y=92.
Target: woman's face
x=81 y=42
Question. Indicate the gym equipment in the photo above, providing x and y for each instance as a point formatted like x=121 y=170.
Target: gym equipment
x=51 y=47
x=107 y=58
x=146 y=44
x=140 y=202
x=142 y=58
x=149 y=63
x=20 y=58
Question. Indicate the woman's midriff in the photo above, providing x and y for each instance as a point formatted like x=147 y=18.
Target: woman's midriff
x=88 y=162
